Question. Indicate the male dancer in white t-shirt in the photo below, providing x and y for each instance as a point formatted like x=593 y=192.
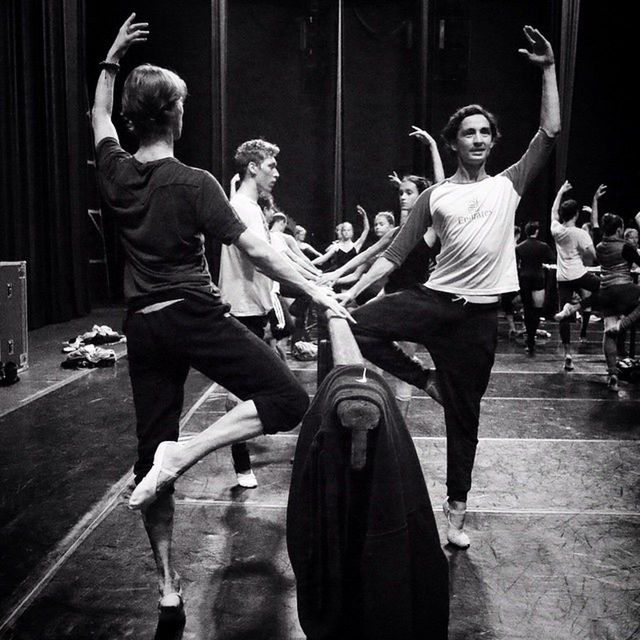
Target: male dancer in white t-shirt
x=573 y=246
x=246 y=289
x=454 y=314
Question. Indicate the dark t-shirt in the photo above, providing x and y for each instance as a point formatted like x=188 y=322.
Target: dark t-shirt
x=616 y=258
x=531 y=254
x=163 y=209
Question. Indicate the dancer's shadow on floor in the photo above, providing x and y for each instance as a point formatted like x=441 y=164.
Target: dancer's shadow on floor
x=251 y=592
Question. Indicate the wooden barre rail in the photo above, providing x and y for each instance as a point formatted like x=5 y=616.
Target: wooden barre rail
x=336 y=347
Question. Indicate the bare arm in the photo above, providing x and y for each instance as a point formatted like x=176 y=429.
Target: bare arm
x=305 y=246
x=294 y=248
x=541 y=55
x=272 y=264
x=381 y=268
x=128 y=34
x=310 y=273
x=365 y=228
x=352 y=277
x=595 y=218
x=432 y=145
x=323 y=258
x=555 y=208
x=361 y=258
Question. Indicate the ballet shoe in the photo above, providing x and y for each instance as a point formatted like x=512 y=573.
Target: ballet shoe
x=566 y=312
x=456 y=536
x=151 y=485
x=173 y=612
x=247 y=479
x=568 y=363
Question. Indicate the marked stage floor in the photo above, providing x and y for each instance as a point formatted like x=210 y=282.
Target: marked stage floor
x=554 y=511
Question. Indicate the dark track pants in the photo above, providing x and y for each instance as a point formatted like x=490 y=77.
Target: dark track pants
x=461 y=338
x=197 y=333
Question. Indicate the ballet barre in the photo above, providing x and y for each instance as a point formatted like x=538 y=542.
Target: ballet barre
x=337 y=347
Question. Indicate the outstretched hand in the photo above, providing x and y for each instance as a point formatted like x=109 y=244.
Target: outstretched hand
x=541 y=53
x=395 y=178
x=327 y=279
x=600 y=191
x=330 y=303
x=361 y=211
x=422 y=135
x=130 y=33
x=566 y=186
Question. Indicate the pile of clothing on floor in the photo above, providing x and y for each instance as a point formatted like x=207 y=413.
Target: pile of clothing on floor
x=304 y=351
x=83 y=351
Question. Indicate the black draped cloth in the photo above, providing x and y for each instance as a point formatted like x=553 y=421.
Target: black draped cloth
x=363 y=544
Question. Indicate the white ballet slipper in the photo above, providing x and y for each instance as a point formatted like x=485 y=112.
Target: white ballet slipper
x=151 y=485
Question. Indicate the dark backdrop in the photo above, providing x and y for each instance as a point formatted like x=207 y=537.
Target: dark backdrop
x=280 y=83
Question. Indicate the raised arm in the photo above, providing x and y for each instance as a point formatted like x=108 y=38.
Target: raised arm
x=555 y=208
x=394 y=178
x=365 y=228
x=541 y=54
x=595 y=214
x=129 y=34
x=432 y=145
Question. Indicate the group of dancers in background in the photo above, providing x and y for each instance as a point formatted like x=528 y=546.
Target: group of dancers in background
x=434 y=277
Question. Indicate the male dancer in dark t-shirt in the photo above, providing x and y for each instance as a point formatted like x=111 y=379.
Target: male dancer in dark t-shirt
x=176 y=318
x=531 y=255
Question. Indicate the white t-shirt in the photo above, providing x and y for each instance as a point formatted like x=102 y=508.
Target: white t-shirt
x=246 y=289
x=571 y=243
x=474 y=222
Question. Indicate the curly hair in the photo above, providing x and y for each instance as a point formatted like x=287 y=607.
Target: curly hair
x=256 y=151
x=450 y=131
x=149 y=101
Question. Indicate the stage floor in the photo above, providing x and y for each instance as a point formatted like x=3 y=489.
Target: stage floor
x=554 y=512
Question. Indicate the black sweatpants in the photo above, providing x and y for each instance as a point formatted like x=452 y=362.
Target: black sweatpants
x=200 y=333
x=461 y=338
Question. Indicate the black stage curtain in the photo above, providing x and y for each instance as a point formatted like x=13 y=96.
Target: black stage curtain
x=43 y=154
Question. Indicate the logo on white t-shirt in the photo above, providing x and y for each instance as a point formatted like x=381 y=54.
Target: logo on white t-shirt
x=473 y=207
